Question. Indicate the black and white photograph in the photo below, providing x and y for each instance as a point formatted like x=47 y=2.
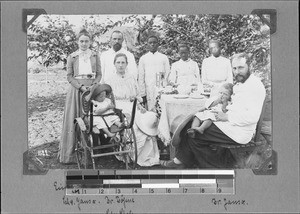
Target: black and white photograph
x=149 y=107
x=178 y=91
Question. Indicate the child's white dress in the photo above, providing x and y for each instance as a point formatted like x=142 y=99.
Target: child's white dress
x=208 y=114
x=98 y=120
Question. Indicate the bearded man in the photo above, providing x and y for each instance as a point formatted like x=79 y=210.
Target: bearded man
x=236 y=126
x=107 y=57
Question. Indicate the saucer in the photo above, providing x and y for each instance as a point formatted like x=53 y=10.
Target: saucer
x=181 y=96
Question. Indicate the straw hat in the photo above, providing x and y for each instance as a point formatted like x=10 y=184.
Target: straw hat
x=147 y=122
x=98 y=88
x=177 y=125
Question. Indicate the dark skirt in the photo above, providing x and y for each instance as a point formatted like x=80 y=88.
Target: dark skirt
x=72 y=110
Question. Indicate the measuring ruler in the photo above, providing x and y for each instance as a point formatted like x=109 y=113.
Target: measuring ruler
x=144 y=182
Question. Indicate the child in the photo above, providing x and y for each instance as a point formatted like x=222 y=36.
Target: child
x=104 y=116
x=205 y=118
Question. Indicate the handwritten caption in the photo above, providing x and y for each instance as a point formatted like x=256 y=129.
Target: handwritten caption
x=226 y=203
x=108 y=200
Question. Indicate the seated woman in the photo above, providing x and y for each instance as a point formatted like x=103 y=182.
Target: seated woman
x=125 y=89
x=123 y=84
x=184 y=72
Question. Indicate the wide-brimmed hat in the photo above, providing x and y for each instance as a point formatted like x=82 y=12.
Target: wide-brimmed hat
x=98 y=88
x=177 y=125
x=147 y=122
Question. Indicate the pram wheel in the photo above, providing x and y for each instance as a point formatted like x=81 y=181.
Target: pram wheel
x=81 y=148
x=125 y=145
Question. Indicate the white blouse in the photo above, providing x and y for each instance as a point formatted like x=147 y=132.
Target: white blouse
x=85 y=66
x=216 y=70
x=185 y=72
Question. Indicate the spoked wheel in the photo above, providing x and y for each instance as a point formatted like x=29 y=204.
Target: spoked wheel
x=129 y=143
x=133 y=141
x=80 y=148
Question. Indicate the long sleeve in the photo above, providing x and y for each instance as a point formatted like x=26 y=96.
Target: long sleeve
x=197 y=73
x=247 y=109
x=172 y=74
x=204 y=70
x=70 y=73
x=102 y=65
x=229 y=73
x=249 y=114
x=141 y=77
x=98 y=70
x=132 y=65
x=166 y=66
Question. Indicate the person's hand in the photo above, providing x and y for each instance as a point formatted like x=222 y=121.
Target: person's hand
x=141 y=109
x=220 y=116
x=131 y=98
x=191 y=132
x=225 y=98
x=139 y=99
x=111 y=105
x=84 y=88
x=219 y=99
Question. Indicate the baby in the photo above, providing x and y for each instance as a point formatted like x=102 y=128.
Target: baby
x=104 y=116
x=205 y=117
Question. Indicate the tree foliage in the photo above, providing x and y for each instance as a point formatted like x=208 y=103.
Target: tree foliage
x=52 y=41
x=237 y=33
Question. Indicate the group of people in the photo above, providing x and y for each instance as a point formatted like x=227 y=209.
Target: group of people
x=234 y=121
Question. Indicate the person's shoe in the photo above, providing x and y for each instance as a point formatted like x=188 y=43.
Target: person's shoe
x=171 y=164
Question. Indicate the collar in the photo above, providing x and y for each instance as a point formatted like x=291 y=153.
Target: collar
x=88 y=52
x=155 y=53
x=247 y=80
x=213 y=57
x=119 y=51
x=188 y=60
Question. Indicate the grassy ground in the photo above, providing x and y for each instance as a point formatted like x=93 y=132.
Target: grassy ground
x=46 y=100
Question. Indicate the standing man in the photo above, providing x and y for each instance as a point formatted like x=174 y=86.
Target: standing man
x=153 y=67
x=236 y=126
x=107 y=57
x=216 y=69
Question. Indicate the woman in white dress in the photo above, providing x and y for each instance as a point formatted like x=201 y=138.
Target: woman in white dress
x=123 y=84
x=125 y=90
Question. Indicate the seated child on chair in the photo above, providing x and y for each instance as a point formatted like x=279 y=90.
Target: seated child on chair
x=104 y=116
x=205 y=117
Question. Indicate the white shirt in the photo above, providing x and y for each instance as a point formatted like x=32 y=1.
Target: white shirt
x=149 y=65
x=216 y=70
x=85 y=66
x=99 y=106
x=108 y=67
x=244 y=111
x=185 y=72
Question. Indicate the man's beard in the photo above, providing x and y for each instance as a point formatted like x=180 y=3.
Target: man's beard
x=117 y=47
x=242 y=78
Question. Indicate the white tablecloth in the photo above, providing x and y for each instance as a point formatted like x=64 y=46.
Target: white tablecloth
x=171 y=108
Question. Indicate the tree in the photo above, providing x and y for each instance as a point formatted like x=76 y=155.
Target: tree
x=51 y=41
x=237 y=33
